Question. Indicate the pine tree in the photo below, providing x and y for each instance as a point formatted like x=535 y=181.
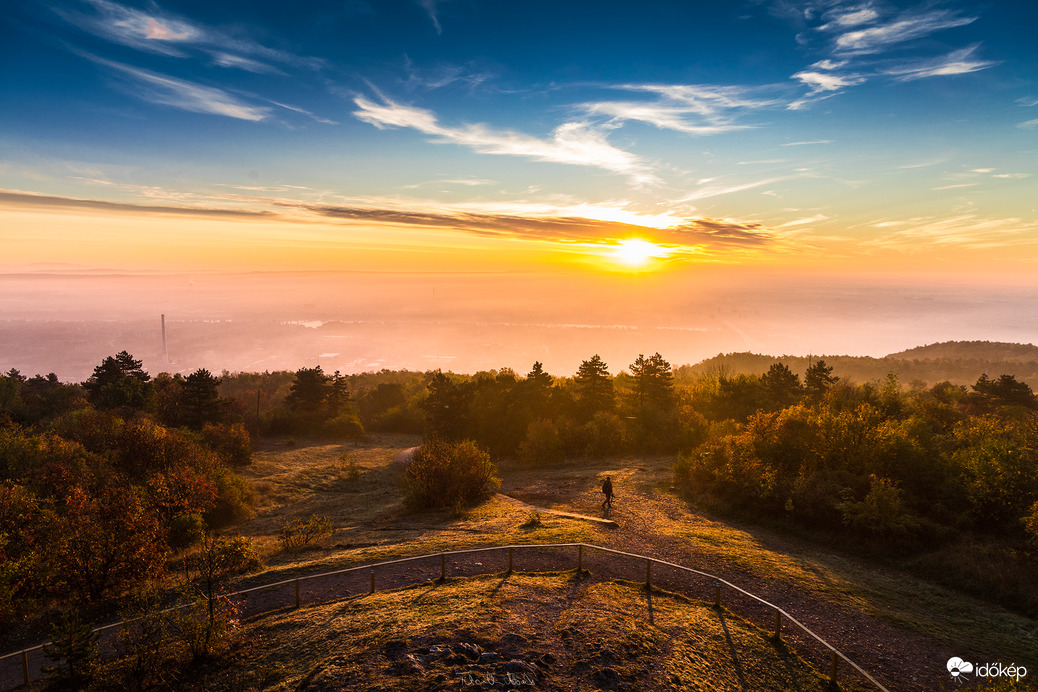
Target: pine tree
x=654 y=379
x=594 y=386
x=309 y=391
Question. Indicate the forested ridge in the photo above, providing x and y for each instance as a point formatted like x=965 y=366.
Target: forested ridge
x=959 y=362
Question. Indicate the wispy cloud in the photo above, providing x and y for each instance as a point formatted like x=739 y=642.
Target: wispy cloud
x=967 y=231
x=432 y=8
x=466 y=182
x=716 y=190
x=297 y=109
x=575 y=143
x=188 y=96
x=156 y=31
x=905 y=27
x=842 y=17
x=956 y=62
x=145 y=31
x=827 y=81
x=444 y=75
x=954 y=186
x=1028 y=124
x=241 y=62
x=22 y=199
x=805 y=143
x=804 y=221
x=855 y=34
x=691 y=232
x=695 y=109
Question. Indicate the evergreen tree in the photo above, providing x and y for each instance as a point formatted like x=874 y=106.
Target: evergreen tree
x=781 y=385
x=654 y=379
x=119 y=382
x=338 y=394
x=201 y=398
x=594 y=386
x=74 y=650
x=448 y=408
x=1006 y=390
x=309 y=391
x=819 y=378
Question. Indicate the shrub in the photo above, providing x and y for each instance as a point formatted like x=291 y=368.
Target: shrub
x=145 y=653
x=238 y=556
x=533 y=520
x=206 y=627
x=302 y=533
x=233 y=501
x=881 y=513
x=449 y=474
x=231 y=442
x=350 y=468
x=1031 y=525
x=185 y=530
x=74 y=650
x=343 y=426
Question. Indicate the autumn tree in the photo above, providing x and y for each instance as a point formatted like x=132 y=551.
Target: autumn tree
x=102 y=541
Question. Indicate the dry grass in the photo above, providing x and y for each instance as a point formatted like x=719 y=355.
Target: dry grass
x=371 y=524
x=579 y=637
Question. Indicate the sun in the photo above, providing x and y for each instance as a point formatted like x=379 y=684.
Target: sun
x=637 y=253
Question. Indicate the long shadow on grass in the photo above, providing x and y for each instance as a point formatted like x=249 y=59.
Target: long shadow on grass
x=736 y=663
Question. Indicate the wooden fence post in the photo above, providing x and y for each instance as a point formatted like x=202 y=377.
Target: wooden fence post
x=297 y=593
x=648 y=574
x=717 y=594
x=580 y=558
x=832 y=673
x=509 y=559
x=443 y=567
x=25 y=666
x=778 y=625
x=372 y=581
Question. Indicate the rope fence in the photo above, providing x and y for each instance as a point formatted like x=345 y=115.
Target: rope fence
x=22 y=667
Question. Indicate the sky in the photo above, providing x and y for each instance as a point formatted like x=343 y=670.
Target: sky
x=778 y=150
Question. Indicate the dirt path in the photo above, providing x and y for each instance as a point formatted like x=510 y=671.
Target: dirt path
x=899 y=659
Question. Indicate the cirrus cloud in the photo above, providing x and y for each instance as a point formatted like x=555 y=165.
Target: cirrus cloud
x=575 y=143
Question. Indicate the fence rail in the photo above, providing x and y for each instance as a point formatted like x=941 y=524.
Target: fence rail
x=780 y=614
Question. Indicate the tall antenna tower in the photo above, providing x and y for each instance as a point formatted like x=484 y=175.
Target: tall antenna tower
x=165 y=353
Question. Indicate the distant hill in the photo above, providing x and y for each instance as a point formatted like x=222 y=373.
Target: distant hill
x=954 y=350
x=958 y=362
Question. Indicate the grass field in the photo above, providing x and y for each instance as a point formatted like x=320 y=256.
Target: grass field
x=357 y=487
x=549 y=631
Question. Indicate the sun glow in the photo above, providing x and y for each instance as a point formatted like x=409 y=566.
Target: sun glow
x=637 y=253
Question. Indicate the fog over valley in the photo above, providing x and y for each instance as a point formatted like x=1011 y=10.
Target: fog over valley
x=65 y=322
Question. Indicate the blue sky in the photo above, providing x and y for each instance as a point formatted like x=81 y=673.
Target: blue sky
x=871 y=136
